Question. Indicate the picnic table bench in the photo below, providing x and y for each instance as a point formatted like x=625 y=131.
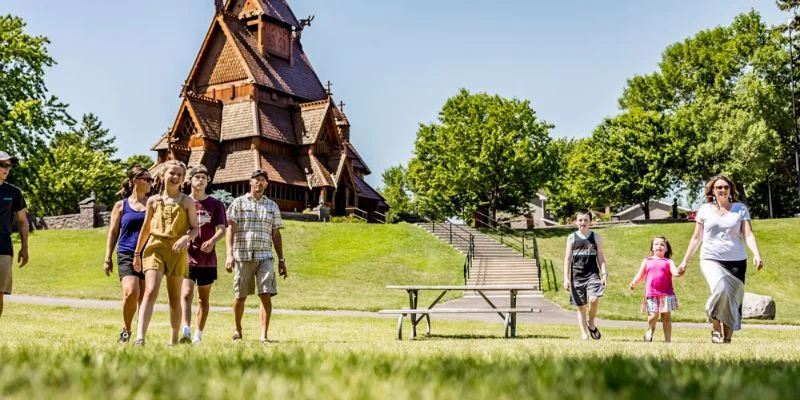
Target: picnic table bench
x=508 y=314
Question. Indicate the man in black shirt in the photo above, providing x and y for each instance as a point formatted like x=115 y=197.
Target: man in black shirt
x=12 y=204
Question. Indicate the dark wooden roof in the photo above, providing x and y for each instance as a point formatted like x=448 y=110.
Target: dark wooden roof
x=282 y=168
x=276 y=9
x=207 y=114
x=297 y=78
x=358 y=162
x=236 y=166
x=312 y=117
x=238 y=121
x=365 y=190
x=276 y=123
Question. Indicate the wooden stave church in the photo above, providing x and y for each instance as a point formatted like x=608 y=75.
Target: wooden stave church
x=253 y=101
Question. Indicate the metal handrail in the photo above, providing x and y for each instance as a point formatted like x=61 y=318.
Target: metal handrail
x=380 y=217
x=470 y=240
x=492 y=225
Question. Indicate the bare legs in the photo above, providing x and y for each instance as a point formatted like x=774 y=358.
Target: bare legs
x=132 y=294
x=666 y=324
x=582 y=322
x=187 y=293
x=152 y=284
x=266 y=313
x=1 y=303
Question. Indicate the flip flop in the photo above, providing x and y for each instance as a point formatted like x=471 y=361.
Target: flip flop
x=594 y=332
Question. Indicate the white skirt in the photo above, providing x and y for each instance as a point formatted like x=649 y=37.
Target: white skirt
x=727 y=294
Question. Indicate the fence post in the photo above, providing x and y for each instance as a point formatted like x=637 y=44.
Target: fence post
x=451 y=233
x=523 y=246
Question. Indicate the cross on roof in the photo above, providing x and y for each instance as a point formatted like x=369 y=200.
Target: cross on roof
x=328 y=88
x=341 y=106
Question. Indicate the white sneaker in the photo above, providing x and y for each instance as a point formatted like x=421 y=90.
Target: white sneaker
x=198 y=338
x=186 y=335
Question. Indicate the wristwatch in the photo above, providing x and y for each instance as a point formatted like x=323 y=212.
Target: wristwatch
x=281 y=259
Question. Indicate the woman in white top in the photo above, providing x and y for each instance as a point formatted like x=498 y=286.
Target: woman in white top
x=723 y=227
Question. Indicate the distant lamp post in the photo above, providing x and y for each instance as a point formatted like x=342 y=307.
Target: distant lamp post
x=790 y=26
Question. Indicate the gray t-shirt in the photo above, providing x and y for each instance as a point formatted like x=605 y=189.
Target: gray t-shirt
x=722 y=234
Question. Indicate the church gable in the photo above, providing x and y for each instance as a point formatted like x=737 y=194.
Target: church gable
x=276 y=9
x=220 y=63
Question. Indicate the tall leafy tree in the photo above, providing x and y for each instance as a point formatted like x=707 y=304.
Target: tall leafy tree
x=484 y=151
x=726 y=91
x=28 y=113
x=142 y=160
x=635 y=155
x=80 y=163
x=395 y=191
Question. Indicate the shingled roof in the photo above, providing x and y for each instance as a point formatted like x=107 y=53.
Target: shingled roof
x=208 y=115
x=162 y=143
x=276 y=123
x=312 y=117
x=315 y=171
x=236 y=166
x=296 y=78
x=276 y=9
x=238 y=121
x=365 y=190
x=282 y=168
x=353 y=155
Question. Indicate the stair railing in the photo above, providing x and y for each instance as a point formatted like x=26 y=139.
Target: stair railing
x=509 y=236
x=457 y=233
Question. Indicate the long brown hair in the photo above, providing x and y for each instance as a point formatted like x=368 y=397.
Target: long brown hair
x=668 y=252
x=733 y=192
x=128 y=186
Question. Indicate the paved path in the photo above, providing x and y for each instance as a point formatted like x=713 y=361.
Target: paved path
x=551 y=313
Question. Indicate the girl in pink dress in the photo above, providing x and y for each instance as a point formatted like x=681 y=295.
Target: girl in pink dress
x=659 y=298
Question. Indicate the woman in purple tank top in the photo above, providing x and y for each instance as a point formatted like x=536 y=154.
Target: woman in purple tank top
x=126 y=222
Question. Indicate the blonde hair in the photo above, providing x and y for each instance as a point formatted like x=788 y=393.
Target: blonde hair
x=162 y=186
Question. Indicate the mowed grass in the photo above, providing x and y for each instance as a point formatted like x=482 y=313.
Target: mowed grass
x=52 y=352
x=626 y=246
x=331 y=266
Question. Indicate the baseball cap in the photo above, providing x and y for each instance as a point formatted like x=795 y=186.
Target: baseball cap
x=5 y=157
x=259 y=172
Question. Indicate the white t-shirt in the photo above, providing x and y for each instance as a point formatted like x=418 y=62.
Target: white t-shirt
x=722 y=234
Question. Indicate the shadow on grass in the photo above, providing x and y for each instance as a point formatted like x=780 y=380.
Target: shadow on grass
x=477 y=336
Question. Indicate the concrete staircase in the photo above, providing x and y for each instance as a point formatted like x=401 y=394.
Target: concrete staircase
x=494 y=263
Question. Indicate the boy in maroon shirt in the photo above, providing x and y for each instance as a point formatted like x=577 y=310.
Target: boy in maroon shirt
x=202 y=255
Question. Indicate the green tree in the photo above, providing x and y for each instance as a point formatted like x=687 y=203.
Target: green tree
x=484 y=151
x=79 y=163
x=635 y=155
x=395 y=191
x=141 y=160
x=28 y=114
x=727 y=93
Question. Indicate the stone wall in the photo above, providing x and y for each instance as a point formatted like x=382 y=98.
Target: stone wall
x=91 y=216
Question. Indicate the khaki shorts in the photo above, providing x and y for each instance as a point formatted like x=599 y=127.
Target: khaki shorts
x=158 y=255
x=6 y=266
x=251 y=275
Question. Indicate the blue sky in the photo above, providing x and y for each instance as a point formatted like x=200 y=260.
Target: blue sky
x=393 y=63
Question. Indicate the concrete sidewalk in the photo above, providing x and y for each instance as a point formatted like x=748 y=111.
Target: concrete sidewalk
x=550 y=314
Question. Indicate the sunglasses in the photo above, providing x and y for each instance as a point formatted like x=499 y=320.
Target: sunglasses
x=6 y=165
x=726 y=187
x=147 y=179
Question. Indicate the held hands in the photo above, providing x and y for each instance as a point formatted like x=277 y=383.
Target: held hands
x=682 y=268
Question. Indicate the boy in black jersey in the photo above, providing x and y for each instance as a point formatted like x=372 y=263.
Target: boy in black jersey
x=585 y=273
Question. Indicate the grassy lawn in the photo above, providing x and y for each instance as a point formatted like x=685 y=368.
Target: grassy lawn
x=626 y=246
x=45 y=354
x=331 y=266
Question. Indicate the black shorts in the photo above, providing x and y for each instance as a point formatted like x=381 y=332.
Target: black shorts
x=125 y=266
x=203 y=275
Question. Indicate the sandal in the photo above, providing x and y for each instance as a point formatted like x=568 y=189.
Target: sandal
x=716 y=337
x=648 y=336
x=237 y=337
x=726 y=340
x=139 y=342
x=594 y=332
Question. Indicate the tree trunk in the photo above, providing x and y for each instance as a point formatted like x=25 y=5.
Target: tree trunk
x=646 y=209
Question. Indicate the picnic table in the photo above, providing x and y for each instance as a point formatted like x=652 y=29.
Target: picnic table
x=508 y=314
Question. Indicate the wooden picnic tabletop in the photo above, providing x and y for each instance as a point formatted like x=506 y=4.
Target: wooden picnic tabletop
x=463 y=287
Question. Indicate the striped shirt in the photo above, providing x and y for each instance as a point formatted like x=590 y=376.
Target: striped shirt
x=255 y=220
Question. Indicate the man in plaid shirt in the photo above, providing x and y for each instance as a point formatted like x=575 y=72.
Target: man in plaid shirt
x=254 y=223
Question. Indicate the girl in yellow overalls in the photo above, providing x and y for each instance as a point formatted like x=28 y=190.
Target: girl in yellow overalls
x=170 y=224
